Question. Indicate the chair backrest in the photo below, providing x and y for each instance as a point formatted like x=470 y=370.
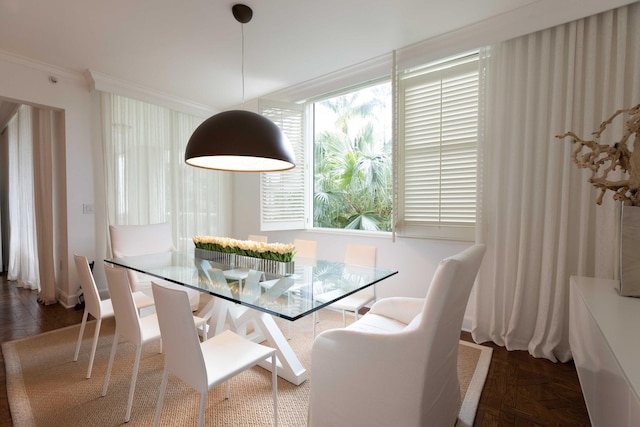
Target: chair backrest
x=124 y=307
x=439 y=327
x=364 y=256
x=258 y=238
x=88 y=286
x=254 y=276
x=131 y=240
x=182 y=352
x=305 y=248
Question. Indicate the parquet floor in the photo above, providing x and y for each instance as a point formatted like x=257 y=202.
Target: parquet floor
x=520 y=390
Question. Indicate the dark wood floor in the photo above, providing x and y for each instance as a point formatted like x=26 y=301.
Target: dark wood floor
x=520 y=390
x=524 y=391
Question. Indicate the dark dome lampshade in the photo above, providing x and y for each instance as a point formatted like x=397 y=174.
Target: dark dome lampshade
x=239 y=141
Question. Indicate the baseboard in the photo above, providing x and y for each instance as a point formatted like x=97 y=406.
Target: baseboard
x=66 y=300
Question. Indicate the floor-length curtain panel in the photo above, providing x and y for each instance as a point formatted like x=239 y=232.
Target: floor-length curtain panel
x=135 y=160
x=43 y=201
x=23 y=249
x=538 y=212
x=196 y=194
x=146 y=179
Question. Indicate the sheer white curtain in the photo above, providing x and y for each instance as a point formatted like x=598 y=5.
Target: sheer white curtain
x=538 y=212
x=23 y=248
x=146 y=178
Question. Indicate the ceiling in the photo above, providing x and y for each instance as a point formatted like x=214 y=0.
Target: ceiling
x=191 y=49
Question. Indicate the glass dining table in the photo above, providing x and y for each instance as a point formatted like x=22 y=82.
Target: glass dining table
x=243 y=304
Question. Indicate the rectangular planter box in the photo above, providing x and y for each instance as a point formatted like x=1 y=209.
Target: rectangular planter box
x=251 y=263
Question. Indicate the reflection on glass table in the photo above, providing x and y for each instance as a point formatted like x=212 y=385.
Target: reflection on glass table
x=249 y=297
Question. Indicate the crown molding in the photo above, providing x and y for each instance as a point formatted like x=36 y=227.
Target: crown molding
x=45 y=68
x=356 y=74
x=106 y=83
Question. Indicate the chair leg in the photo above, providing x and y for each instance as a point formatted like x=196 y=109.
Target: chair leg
x=82 y=325
x=132 y=387
x=94 y=345
x=315 y=320
x=114 y=346
x=163 y=389
x=274 y=385
x=203 y=401
x=226 y=389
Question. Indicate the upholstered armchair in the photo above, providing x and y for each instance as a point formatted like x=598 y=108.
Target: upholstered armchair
x=397 y=365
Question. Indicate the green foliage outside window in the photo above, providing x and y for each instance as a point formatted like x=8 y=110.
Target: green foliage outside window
x=352 y=160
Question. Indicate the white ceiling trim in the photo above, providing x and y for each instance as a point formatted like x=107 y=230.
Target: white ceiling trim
x=105 y=83
x=54 y=71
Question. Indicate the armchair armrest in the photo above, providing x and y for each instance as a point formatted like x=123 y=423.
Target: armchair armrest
x=402 y=309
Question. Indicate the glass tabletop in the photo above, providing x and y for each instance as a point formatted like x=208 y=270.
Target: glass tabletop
x=290 y=297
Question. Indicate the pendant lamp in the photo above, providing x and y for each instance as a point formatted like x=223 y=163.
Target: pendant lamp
x=238 y=140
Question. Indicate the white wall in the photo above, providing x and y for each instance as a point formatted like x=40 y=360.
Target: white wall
x=26 y=82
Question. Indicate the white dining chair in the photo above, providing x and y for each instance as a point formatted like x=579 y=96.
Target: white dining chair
x=96 y=307
x=258 y=238
x=306 y=249
x=134 y=329
x=146 y=239
x=203 y=365
x=355 y=255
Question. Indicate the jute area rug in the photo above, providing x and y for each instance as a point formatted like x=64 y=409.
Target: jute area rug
x=46 y=388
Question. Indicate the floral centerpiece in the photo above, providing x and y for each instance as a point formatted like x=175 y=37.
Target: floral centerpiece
x=280 y=252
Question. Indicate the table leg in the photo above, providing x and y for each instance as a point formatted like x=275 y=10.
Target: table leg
x=265 y=329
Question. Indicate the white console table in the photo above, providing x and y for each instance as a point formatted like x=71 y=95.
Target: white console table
x=604 y=334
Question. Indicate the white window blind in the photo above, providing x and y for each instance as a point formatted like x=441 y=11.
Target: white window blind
x=437 y=132
x=282 y=194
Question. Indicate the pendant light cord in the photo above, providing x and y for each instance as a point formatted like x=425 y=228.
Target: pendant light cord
x=242 y=65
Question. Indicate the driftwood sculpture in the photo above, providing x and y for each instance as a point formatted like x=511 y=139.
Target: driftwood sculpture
x=603 y=159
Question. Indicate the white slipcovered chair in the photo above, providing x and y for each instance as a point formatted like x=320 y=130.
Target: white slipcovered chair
x=99 y=309
x=203 y=365
x=132 y=240
x=397 y=365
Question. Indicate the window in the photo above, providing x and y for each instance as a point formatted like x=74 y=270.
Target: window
x=352 y=160
x=438 y=132
x=350 y=183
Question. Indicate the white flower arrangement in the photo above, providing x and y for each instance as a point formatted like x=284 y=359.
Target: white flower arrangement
x=282 y=252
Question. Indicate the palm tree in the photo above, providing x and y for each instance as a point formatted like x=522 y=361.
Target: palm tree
x=353 y=165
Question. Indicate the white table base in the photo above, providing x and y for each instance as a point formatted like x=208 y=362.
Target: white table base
x=221 y=312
